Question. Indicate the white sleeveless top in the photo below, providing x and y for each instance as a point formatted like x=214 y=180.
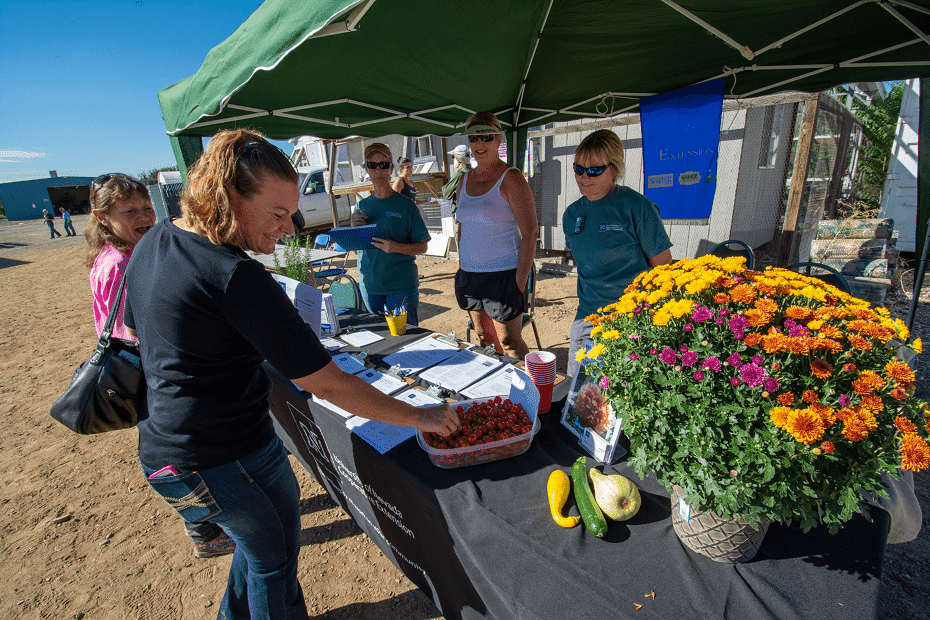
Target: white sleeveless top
x=490 y=236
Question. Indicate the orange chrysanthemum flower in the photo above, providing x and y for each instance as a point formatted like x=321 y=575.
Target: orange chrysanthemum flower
x=810 y=396
x=867 y=418
x=868 y=382
x=752 y=339
x=801 y=345
x=859 y=342
x=854 y=429
x=898 y=394
x=899 y=371
x=915 y=453
x=849 y=368
x=805 y=425
x=873 y=403
x=721 y=298
x=769 y=306
x=830 y=331
x=844 y=414
x=743 y=294
x=828 y=447
x=785 y=398
x=827 y=344
x=758 y=318
x=773 y=343
x=904 y=425
x=827 y=414
x=797 y=313
x=821 y=368
x=779 y=416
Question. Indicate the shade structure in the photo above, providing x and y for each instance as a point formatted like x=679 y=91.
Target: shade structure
x=423 y=66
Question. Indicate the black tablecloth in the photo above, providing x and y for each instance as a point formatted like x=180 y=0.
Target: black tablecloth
x=481 y=542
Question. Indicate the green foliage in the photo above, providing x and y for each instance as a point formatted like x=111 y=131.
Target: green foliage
x=296 y=266
x=879 y=120
x=746 y=389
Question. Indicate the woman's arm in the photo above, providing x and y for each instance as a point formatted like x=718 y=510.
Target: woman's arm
x=359 y=397
x=397 y=185
x=662 y=258
x=396 y=247
x=516 y=191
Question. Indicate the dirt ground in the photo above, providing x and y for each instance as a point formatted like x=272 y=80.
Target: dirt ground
x=83 y=536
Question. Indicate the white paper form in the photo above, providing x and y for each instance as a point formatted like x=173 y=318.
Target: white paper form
x=418 y=398
x=348 y=363
x=460 y=370
x=361 y=338
x=496 y=384
x=382 y=437
x=332 y=344
x=421 y=354
x=382 y=382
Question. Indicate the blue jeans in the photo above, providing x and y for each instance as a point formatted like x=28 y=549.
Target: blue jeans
x=256 y=500
x=69 y=229
x=376 y=303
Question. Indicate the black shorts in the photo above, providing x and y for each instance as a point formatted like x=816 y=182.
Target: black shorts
x=495 y=292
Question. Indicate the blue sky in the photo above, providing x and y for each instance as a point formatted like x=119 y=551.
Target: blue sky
x=79 y=81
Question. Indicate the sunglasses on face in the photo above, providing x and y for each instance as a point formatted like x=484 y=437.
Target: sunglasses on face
x=593 y=171
x=489 y=138
x=384 y=165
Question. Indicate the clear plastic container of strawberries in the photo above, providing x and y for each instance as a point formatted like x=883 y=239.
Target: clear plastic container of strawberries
x=492 y=429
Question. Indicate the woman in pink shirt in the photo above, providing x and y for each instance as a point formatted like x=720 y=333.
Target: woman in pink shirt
x=122 y=213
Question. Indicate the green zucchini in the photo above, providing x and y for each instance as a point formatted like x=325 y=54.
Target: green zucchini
x=590 y=512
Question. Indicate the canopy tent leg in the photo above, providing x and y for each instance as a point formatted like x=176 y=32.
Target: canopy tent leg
x=186 y=151
x=923 y=196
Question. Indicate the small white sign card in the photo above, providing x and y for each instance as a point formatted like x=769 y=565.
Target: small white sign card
x=417 y=398
x=361 y=338
x=592 y=420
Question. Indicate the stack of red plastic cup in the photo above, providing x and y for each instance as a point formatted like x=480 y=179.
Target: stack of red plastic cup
x=540 y=365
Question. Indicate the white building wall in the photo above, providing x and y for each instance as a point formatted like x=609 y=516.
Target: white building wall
x=899 y=196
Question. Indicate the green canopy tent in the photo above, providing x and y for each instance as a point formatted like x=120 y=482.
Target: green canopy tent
x=337 y=68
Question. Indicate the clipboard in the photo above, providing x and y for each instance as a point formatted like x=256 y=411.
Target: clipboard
x=355 y=238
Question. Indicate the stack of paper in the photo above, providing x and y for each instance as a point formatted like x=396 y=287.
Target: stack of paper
x=384 y=383
x=421 y=354
x=460 y=370
x=348 y=363
x=495 y=384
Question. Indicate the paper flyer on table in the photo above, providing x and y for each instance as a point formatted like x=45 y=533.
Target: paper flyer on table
x=332 y=344
x=348 y=363
x=382 y=437
x=417 y=398
x=382 y=382
x=307 y=299
x=496 y=384
x=460 y=370
x=420 y=354
x=361 y=338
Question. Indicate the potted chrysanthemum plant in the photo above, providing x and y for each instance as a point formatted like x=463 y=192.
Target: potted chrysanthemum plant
x=758 y=396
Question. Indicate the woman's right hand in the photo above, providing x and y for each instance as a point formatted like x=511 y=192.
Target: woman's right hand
x=438 y=419
x=359 y=218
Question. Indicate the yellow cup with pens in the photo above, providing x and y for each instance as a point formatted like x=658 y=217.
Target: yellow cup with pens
x=397 y=319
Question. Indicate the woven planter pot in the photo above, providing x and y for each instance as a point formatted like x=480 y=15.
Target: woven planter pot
x=722 y=540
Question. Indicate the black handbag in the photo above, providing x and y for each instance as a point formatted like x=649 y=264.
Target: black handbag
x=107 y=392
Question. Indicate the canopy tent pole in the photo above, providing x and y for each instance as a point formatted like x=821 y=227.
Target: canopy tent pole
x=923 y=196
x=186 y=151
x=747 y=53
x=349 y=25
x=332 y=182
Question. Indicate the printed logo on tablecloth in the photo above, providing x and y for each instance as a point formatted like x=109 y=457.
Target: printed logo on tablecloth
x=315 y=445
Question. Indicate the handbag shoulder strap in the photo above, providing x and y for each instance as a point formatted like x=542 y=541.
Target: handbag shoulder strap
x=111 y=317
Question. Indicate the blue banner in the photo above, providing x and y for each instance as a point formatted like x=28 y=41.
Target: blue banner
x=681 y=138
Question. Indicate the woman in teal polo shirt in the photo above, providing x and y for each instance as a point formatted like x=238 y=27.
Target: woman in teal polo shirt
x=613 y=232
x=388 y=273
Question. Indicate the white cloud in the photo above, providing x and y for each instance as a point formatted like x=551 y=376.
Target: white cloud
x=14 y=161
x=22 y=154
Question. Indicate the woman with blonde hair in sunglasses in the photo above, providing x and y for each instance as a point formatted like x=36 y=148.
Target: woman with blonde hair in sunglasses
x=208 y=316
x=614 y=233
x=387 y=273
x=497 y=239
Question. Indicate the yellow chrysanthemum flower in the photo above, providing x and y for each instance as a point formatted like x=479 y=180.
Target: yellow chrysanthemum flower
x=595 y=351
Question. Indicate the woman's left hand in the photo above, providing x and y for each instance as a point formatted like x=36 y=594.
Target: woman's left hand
x=385 y=245
x=521 y=284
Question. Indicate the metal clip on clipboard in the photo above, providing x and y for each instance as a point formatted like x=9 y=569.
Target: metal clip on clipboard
x=361 y=356
x=488 y=351
x=394 y=371
x=436 y=391
x=448 y=339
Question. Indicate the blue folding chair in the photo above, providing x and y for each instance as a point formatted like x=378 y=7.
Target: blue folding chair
x=322 y=242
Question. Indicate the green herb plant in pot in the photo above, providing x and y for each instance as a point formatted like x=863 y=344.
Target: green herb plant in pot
x=757 y=397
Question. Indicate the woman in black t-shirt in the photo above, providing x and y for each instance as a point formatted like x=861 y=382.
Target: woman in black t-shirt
x=207 y=315
x=402 y=184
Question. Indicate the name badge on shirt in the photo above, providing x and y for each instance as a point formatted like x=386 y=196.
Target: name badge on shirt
x=605 y=227
x=393 y=214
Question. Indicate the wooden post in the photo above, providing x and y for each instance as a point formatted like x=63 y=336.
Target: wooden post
x=332 y=182
x=798 y=180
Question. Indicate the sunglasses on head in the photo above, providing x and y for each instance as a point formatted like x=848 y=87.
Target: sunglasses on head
x=384 y=165
x=593 y=171
x=103 y=178
x=489 y=138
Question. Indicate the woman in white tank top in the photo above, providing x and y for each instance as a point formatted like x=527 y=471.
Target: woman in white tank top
x=497 y=240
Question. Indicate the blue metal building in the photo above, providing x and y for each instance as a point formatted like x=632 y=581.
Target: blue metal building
x=24 y=200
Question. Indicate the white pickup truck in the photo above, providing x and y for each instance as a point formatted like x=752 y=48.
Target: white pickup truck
x=314 y=201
